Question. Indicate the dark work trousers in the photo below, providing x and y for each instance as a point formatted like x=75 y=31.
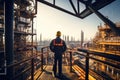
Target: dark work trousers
x=57 y=59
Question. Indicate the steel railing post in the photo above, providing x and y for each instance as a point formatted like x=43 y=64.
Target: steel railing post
x=87 y=67
x=70 y=61
x=32 y=69
x=42 y=59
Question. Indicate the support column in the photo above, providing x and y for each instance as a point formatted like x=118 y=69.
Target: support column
x=32 y=64
x=9 y=38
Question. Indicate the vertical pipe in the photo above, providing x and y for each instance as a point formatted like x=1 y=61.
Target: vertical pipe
x=107 y=69
x=70 y=61
x=117 y=76
x=36 y=46
x=9 y=37
x=112 y=71
x=36 y=5
x=87 y=67
x=32 y=35
x=32 y=62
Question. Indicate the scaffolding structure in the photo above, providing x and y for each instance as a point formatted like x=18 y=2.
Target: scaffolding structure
x=23 y=33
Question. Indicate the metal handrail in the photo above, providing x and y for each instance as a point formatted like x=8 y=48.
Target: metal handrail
x=102 y=54
x=88 y=52
x=15 y=64
x=42 y=50
x=23 y=61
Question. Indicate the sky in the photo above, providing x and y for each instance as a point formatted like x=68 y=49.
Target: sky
x=50 y=20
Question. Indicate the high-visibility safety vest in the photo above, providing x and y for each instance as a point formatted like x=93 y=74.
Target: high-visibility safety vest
x=57 y=44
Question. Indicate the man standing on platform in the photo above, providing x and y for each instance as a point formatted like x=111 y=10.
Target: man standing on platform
x=57 y=46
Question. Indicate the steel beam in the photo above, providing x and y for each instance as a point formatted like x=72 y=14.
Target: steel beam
x=78 y=6
x=91 y=8
x=106 y=20
x=59 y=8
x=98 y=4
x=71 y=2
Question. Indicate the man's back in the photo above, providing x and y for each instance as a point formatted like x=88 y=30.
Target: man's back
x=58 y=45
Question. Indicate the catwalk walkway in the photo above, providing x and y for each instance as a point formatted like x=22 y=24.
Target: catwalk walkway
x=67 y=75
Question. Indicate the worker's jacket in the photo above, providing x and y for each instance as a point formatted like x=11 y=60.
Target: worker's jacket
x=58 y=46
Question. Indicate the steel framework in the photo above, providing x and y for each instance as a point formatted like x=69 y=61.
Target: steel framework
x=92 y=6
